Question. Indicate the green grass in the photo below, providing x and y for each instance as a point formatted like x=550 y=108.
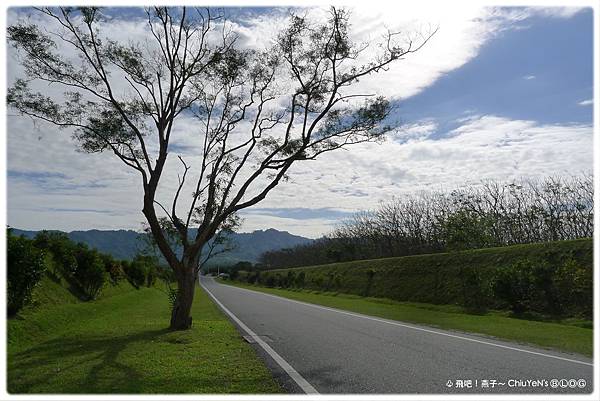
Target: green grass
x=564 y=336
x=119 y=344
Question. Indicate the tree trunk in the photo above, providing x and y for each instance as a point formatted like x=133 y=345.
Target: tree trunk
x=181 y=318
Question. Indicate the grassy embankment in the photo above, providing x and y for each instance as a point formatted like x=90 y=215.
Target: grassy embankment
x=427 y=289
x=119 y=344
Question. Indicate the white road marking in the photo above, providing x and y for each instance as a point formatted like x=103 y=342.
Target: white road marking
x=297 y=377
x=414 y=327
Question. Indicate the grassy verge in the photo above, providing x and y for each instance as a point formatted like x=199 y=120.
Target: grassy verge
x=564 y=336
x=119 y=344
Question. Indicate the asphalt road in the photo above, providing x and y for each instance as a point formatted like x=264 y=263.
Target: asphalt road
x=340 y=352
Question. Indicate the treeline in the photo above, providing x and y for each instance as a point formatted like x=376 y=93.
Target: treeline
x=491 y=214
x=86 y=270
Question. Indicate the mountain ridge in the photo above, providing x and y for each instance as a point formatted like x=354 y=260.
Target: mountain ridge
x=125 y=244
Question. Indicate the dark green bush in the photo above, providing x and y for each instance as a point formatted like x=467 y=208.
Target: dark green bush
x=151 y=275
x=290 y=280
x=113 y=268
x=167 y=275
x=251 y=277
x=90 y=274
x=575 y=288
x=270 y=282
x=515 y=285
x=337 y=281
x=63 y=250
x=475 y=290
x=369 y=282
x=300 y=279
x=329 y=283
x=538 y=286
x=142 y=270
x=136 y=272
x=544 y=291
x=25 y=266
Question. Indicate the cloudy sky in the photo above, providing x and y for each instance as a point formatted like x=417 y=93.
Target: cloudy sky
x=498 y=93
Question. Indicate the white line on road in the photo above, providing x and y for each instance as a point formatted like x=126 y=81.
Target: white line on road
x=297 y=377
x=415 y=327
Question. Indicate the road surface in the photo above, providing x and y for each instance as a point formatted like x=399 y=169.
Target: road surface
x=310 y=348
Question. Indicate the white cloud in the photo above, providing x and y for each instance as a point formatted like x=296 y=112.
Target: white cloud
x=482 y=147
x=415 y=131
x=586 y=102
x=529 y=77
x=485 y=147
x=554 y=12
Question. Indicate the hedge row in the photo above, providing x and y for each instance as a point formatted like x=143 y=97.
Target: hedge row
x=551 y=278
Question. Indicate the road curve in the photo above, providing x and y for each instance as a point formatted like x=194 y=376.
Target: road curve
x=339 y=352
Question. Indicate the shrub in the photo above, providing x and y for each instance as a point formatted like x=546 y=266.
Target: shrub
x=474 y=289
x=25 y=265
x=290 y=280
x=63 y=250
x=151 y=276
x=116 y=273
x=300 y=279
x=369 y=284
x=136 y=272
x=113 y=268
x=279 y=280
x=167 y=275
x=538 y=286
x=514 y=285
x=575 y=288
x=330 y=281
x=90 y=274
x=143 y=270
x=337 y=281
x=270 y=282
x=545 y=297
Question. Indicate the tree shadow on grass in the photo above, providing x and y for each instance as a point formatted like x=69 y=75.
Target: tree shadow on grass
x=57 y=361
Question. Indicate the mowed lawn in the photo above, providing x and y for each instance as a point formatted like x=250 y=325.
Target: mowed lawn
x=563 y=336
x=120 y=345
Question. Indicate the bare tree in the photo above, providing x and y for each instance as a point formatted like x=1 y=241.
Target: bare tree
x=258 y=112
x=490 y=214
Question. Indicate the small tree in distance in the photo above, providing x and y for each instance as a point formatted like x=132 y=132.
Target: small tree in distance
x=257 y=112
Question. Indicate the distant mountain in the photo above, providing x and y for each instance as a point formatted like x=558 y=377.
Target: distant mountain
x=125 y=244
x=249 y=246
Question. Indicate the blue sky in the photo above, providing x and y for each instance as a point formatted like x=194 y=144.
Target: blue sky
x=540 y=72
x=500 y=93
